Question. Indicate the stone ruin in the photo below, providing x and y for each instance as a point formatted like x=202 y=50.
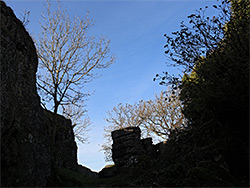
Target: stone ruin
x=128 y=147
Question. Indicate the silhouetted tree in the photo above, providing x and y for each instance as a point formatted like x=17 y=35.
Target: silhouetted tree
x=156 y=118
x=68 y=59
x=214 y=54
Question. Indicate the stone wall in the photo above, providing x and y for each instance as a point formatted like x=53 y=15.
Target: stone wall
x=27 y=149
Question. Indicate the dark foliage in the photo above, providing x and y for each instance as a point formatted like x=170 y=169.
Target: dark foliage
x=214 y=54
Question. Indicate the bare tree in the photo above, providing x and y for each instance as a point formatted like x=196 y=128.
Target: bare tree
x=68 y=59
x=161 y=115
x=155 y=117
x=25 y=17
x=80 y=121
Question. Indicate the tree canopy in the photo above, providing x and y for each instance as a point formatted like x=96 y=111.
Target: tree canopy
x=214 y=55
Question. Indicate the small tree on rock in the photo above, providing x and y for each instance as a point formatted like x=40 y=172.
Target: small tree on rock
x=68 y=59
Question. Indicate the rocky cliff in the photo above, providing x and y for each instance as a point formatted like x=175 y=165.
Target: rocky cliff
x=28 y=146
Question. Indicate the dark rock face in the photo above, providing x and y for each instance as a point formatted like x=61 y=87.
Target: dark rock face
x=108 y=171
x=86 y=171
x=148 y=147
x=62 y=143
x=25 y=157
x=182 y=161
x=127 y=146
x=32 y=139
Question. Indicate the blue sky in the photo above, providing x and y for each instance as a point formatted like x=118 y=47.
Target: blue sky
x=136 y=30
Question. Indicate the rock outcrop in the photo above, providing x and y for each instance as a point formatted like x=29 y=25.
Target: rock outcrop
x=128 y=148
x=187 y=158
x=86 y=171
x=32 y=140
x=25 y=151
x=62 y=143
x=108 y=171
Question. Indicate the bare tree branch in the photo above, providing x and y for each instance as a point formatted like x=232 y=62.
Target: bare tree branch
x=68 y=59
x=155 y=117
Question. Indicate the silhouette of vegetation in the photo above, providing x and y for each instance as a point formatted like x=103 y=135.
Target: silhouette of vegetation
x=25 y=18
x=156 y=118
x=68 y=59
x=215 y=57
x=214 y=54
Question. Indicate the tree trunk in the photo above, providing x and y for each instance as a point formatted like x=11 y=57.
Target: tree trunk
x=56 y=103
